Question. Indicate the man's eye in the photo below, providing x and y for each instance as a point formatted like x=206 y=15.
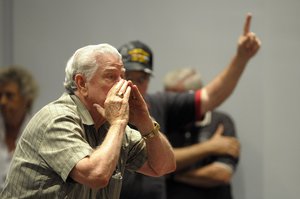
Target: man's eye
x=112 y=77
x=8 y=95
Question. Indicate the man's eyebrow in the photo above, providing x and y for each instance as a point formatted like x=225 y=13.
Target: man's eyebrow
x=113 y=69
x=110 y=69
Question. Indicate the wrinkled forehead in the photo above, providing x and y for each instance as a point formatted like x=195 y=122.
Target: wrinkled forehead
x=9 y=84
x=112 y=66
x=9 y=87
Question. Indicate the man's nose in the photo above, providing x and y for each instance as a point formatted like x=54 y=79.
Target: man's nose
x=120 y=78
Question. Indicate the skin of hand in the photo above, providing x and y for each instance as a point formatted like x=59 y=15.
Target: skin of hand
x=139 y=113
x=248 y=43
x=218 y=90
x=116 y=109
x=217 y=145
x=133 y=108
x=224 y=145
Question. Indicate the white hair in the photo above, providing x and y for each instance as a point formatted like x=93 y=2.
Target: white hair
x=86 y=61
x=183 y=79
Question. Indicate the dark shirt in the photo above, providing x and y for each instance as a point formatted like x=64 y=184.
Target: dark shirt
x=167 y=109
x=194 y=134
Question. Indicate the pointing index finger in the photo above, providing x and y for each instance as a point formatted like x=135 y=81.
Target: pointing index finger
x=247 y=24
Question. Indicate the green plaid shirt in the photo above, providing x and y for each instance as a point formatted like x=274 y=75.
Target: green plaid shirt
x=56 y=138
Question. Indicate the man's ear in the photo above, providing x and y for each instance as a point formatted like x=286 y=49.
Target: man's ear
x=81 y=84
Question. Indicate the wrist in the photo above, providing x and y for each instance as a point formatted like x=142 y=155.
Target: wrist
x=119 y=123
x=153 y=133
x=208 y=147
x=240 y=59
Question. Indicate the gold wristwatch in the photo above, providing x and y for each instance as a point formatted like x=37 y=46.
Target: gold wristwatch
x=153 y=133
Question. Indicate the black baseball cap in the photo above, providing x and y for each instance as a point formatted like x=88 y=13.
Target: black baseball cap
x=137 y=56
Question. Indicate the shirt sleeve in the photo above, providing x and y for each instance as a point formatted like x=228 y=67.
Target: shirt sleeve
x=63 y=145
x=198 y=107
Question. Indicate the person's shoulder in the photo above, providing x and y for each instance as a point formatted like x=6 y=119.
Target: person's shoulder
x=62 y=106
x=155 y=98
x=221 y=114
x=167 y=95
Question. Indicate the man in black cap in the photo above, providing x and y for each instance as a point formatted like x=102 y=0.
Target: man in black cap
x=173 y=110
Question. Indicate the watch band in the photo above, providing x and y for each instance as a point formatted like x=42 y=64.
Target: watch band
x=152 y=133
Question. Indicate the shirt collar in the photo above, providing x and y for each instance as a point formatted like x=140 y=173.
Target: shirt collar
x=83 y=112
x=206 y=120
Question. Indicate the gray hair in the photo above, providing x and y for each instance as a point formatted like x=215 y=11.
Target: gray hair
x=23 y=78
x=183 y=79
x=86 y=61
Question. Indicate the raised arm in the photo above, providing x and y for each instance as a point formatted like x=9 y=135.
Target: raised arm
x=223 y=85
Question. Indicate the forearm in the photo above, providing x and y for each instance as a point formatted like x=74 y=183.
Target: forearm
x=161 y=159
x=186 y=156
x=214 y=174
x=96 y=170
x=223 y=85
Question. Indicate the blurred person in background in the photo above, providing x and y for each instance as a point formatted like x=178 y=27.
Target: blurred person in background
x=206 y=172
x=18 y=91
x=174 y=110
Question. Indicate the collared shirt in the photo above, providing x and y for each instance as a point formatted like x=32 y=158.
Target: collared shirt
x=5 y=154
x=56 y=138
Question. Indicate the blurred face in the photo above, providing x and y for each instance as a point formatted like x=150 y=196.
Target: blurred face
x=140 y=79
x=178 y=88
x=12 y=104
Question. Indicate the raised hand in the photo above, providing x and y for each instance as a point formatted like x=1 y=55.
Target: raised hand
x=248 y=43
x=138 y=112
x=116 y=106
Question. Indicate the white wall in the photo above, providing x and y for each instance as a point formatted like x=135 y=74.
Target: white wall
x=6 y=33
x=1 y=34
x=197 y=33
x=281 y=100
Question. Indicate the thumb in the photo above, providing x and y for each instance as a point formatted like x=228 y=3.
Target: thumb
x=100 y=109
x=219 y=131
